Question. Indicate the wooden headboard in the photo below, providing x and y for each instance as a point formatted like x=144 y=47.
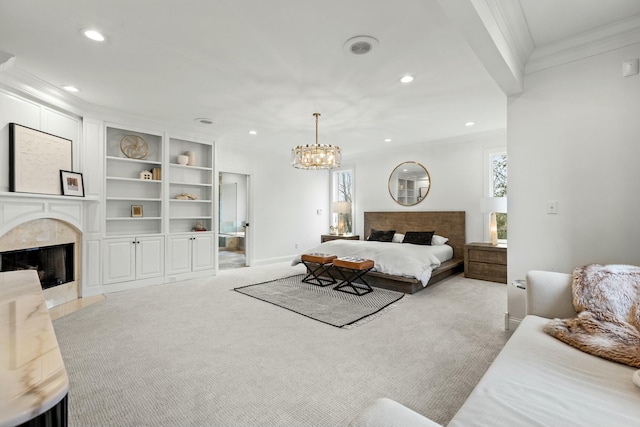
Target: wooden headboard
x=449 y=224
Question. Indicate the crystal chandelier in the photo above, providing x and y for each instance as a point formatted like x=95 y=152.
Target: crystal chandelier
x=316 y=156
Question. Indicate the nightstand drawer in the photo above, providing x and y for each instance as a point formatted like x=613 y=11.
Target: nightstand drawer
x=484 y=271
x=485 y=262
x=488 y=256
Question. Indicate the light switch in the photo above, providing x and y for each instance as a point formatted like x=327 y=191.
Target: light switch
x=630 y=67
x=319 y=212
x=552 y=207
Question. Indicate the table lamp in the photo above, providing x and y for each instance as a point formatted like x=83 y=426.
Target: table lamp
x=491 y=205
x=341 y=208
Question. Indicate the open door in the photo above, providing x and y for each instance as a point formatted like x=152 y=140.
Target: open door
x=233 y=220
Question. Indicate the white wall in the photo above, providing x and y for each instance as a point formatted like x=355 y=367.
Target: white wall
x=456 y=167
x=574 y=138
x=283 y=202
x=28 y=113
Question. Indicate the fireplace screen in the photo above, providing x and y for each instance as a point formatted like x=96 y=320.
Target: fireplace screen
x=53 y=263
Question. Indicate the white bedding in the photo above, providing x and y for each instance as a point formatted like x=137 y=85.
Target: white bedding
x=399 y=259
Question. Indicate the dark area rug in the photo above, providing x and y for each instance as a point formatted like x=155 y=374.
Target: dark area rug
x=324 y=304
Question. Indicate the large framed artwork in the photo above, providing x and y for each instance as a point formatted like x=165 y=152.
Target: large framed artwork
x=36 y=159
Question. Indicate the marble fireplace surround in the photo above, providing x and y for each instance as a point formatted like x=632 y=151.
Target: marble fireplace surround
x=27 y=222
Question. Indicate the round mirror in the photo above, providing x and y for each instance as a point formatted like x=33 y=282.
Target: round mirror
x=409 y=183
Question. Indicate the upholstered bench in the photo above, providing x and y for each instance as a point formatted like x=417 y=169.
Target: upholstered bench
x=352 y=271
x=318 y=265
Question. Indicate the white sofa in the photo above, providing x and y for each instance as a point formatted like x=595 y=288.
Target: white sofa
x=536 y=380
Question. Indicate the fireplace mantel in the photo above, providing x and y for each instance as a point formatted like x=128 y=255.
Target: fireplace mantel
x=18 y=208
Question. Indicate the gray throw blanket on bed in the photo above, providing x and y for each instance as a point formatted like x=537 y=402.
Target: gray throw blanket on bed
x=607 y=300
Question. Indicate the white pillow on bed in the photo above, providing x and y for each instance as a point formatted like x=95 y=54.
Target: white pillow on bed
x=397 y=238
x=437 y=240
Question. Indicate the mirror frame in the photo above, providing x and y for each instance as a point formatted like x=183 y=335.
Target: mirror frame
x=395 y=172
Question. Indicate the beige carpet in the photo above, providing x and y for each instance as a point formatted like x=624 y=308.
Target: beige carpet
x=196 y=353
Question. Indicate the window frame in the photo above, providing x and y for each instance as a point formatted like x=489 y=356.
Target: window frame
x=489 y=180
x=333 y=195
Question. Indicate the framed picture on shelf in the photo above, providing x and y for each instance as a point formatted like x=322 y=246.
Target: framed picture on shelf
x=71 y=183
x=136 y=211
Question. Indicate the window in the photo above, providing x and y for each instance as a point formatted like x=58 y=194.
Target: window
x=342 y=191
x=498 y=188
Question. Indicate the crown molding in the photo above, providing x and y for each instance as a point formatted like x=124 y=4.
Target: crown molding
x=593 y=42
x=6 y=61
x=22 y=83
x=510 y=19
x=16 y=81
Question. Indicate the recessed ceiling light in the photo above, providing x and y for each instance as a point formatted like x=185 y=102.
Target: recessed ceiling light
x=94 y=35
x=69 y=88
x=470 y=124
x=253 y=132
x=387 y=140
x=406 y=79
x=204 y=121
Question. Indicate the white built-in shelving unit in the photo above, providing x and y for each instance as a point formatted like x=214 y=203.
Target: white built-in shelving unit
x=189 y=250
x=192 y=179
x=124 y=188
x=163 y=244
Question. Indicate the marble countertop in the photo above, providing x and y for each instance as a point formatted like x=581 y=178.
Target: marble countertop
x=32 y=372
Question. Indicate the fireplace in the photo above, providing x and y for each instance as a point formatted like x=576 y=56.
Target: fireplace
x=60 y=239
x=54 y=264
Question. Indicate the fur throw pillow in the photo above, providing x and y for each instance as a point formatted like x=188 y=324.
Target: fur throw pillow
x=607 y=300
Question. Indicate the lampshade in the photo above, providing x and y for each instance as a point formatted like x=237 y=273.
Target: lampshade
x=341 y=207
x=493 y=204
x=316 y=156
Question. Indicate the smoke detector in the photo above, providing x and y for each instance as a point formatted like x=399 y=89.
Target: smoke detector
x=360 y=45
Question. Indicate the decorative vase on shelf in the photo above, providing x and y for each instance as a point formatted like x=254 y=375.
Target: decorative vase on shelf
x=192 y=158
x=183 y=160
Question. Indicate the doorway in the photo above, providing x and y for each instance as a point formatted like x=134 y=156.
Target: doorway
x=232 y=220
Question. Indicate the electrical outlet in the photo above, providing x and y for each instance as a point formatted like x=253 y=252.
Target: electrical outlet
x=296 y=245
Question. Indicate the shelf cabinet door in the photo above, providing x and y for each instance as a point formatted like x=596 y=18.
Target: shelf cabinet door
x=133 y=258
x=202 y=253
x=190 y=252
x=149 y=257
x=119 y=260
x=180 y=253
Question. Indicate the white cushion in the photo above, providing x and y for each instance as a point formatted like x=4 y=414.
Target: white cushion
x=389 y=413
x=397 y=238
x=438 y=240
x=549 y=294
x=537 y=380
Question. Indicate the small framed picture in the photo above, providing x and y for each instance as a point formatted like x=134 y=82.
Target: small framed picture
x=72 y=184
x=136 y=210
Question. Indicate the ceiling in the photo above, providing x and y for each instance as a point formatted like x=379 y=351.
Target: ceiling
x=269 y=65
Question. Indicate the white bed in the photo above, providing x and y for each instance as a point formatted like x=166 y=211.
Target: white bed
x=396 y=259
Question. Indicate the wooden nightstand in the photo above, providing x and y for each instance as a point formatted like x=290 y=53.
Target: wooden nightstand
x=327 y=237
x=485 y=262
